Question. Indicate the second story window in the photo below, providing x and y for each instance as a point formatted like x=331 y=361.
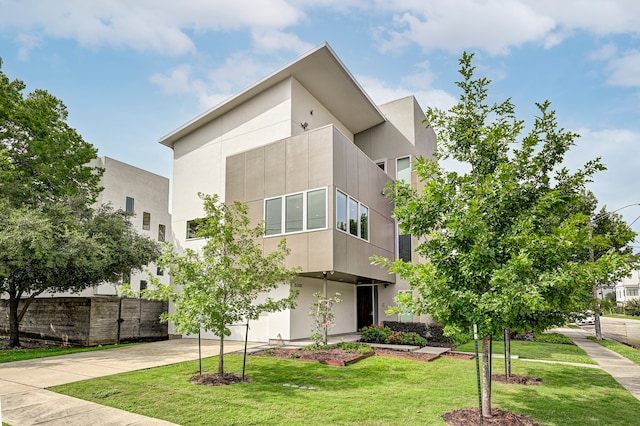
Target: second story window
x=299 y=212
x=161 y=233
x=146 y=221
x=403 y=169
x=404 y=246
x=352 y=216
x=192 y=229
x=129 y=205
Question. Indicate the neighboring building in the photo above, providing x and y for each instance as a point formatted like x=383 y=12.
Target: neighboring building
x=144 y=194
x=311 y=155
x=628 y=288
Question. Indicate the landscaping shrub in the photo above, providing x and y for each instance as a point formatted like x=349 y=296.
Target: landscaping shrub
x=553 y=338
x=383 y=334
x=433 y=332
x=632 y=307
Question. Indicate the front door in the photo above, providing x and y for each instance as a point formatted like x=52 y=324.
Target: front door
x=367 y=304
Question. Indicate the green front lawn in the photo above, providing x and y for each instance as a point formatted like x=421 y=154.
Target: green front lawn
x=536 y=350
x=10 y=355
x=623 y=316
x=374 y=391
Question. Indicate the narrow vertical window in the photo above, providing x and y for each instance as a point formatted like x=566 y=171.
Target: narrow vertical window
x=161 y=232
x=129 y=205
x=273 y=216
x=404 y=246
x=143 y=285
x=317 y=209
x=146 y=221
x=403 y=169
x=364 y=222
x=294 y=213
x=341 y=211
x=353 y=216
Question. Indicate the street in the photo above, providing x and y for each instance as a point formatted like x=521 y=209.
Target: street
x=619 y=329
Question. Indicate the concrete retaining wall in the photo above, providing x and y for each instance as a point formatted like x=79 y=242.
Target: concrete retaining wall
x=90 y=320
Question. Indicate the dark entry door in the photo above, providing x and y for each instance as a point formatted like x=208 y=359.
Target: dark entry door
x=367 y=304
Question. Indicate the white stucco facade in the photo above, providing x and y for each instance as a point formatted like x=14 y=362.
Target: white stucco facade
x=307 y=127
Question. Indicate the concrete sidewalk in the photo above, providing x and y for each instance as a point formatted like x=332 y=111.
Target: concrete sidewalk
x=624 y=371
x=24 y=400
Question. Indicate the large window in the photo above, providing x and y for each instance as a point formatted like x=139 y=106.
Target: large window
x=403 y=169
x=302 y=211
x=129 y=205
x=146 y=221
x=350 y=211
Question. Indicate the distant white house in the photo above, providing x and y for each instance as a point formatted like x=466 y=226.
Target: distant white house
x=144 y=194
x=628 y=288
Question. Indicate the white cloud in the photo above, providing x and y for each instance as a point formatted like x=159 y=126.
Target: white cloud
x=625 y=70
x=161 y=26
x=272 y=41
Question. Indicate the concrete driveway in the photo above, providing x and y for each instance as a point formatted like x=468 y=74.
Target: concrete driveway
x=25 y=401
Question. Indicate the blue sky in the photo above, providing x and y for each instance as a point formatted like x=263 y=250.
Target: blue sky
x=130 y=72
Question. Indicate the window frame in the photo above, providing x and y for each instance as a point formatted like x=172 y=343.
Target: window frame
x=358 y=221
x=305 y=209
x=129 y=204
x=163 y=233
x=146 y=221
x=406 y=157
x=194 y=230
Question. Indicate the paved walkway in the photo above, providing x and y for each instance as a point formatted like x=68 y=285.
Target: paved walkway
x=24 y=400
x=624 y=371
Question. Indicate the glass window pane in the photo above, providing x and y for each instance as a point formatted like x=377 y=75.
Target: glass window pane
x=129 y=205
x=273 y=216
x=403 y=169
x=364 y=222
x=192 y=229
x=404 y=247
x=293 y=213
x=161 y=232
x=341 y=211
x=317 y=209
x=353 y=216
x=146 y=221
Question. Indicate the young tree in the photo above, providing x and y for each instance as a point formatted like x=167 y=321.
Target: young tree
x=503 y=247
x=229 y=279
x=50 y=238
x=323 y=317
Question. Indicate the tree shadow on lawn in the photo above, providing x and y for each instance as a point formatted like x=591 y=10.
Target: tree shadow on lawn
x=570 y=396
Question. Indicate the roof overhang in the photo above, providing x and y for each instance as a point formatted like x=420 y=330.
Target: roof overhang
x=320 y=72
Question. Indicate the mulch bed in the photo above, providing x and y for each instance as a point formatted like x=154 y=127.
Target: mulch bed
x=458 y=355
x=416 y=356
x=217 y=379
x=336 y=357
x=471 y=417
x=515 y=379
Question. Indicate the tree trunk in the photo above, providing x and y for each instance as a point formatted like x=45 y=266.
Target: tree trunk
x=486 y=379
x=507 y=354
x=14 y=322
x=221 y=355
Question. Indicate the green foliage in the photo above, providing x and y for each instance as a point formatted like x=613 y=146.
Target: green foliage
x=508 y=240
x=355 y=347
x=383 y=334
x=323 y=317
x=632 y=307
x=556 y=338
x=230 y=280
x=50 y=237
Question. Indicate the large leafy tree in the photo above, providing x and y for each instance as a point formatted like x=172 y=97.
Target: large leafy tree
x=50 y=237
x=504 y=244
x=230 y=279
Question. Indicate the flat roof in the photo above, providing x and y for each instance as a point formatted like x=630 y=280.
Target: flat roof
x=322 y=73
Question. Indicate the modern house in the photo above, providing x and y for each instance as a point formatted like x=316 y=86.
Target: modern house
x=146 y=196
x=311 y=154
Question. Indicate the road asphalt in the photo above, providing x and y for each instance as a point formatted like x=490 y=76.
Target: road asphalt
x=24 y=399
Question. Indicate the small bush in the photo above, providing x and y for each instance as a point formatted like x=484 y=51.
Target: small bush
x=354 y=347
x=632 y=307
x=383 y=334
x=553 y=338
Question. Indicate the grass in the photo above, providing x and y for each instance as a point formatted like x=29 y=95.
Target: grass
x=624 y=350
x=374 y=391
x=623 y=316
x=536 y=350
x=10 y=355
